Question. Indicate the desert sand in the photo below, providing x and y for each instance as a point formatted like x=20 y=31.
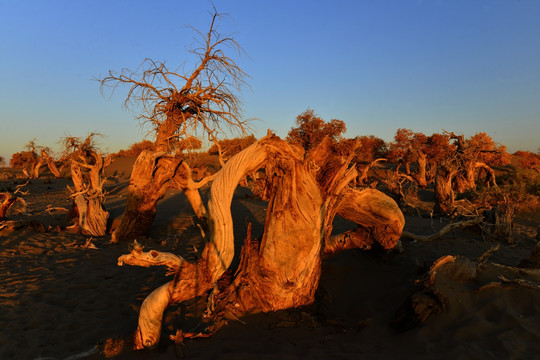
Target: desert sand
x=63 y=296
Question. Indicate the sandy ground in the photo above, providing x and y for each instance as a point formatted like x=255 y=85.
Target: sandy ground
x=59 y=298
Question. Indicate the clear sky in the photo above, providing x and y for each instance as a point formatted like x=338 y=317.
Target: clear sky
x=379 y=65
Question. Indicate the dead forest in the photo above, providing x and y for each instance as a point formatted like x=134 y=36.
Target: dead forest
x=307 y=180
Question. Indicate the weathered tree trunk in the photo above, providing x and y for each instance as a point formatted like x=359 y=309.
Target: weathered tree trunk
x=363 y=171
x=464 y=180
x=378 y=216
x=407 y=168
x=420 y=176
x=444 y=194
x=283 y=270
x=8 y=201
x=490 y=178
x=500 y=219
x=88 y=196
x=92 y=216
x=153 y=174
x=184 y=181
x=50 y=163
x=37 y=166
x=150 y=178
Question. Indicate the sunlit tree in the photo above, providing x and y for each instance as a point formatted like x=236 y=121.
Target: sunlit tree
x=178 y=105
x=311 y=129
x=371 y=148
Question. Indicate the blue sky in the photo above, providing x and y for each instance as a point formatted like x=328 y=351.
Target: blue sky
x=464 y=66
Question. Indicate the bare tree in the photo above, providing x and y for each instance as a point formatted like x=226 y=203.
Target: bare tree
x=34 y=161
x=176 y=105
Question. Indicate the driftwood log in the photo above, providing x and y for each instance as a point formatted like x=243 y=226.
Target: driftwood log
x=282 y=269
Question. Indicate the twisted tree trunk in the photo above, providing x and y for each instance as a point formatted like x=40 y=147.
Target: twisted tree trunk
x=378 y=217
x=444 y=194
x=51 y=164
x=150 y=178
x=8 y=200
x=88 y=195
x=36 y=167
x=283 y=269
x=420 y=175
x=152 y=175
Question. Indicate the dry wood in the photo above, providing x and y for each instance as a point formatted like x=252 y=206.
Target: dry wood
x=363 y=170
x=443 y=231
x=50 y=209
x=151 y=258
x=151 y=177
x=420 y=175
x=434 y=290
x=18 y=189
x=184 y=181
x=51 y=164
x=36 y=167
x=8 y=202
x=11 y=225
x=444 y=192
x=283 y=270
x=305 y=192
x=378 y=216
x=87 y=175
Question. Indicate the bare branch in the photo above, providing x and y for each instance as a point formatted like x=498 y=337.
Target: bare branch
x=443 y=231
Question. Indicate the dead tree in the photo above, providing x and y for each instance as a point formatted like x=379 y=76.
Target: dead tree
x=87 y=174
x=466 y=160
x=393 y=182
x=282 y=269
x=33 y=162
x=9 y=200
x=363 y=171
x=50 y=163
x=444 y=192
x=177 y=105
x=420 y=176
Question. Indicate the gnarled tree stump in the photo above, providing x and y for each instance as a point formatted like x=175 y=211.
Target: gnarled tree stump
x=282 y=269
